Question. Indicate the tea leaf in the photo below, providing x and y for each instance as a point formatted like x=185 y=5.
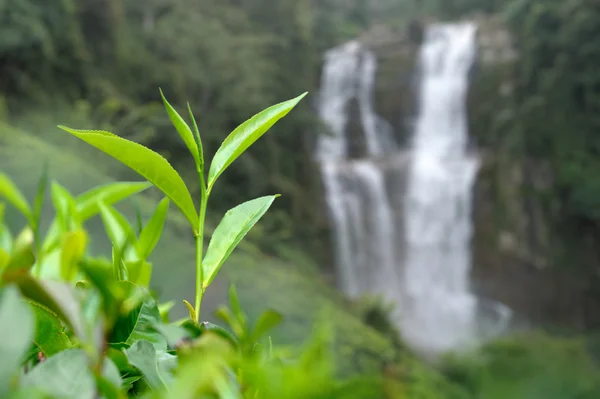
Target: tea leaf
x=190 y=309
x=56 y=296
x=64 y=375
x=14 y=196
x=149 y=164
x=73 y=249
x=151 y=232
x=17 y=330
x=198 y=140
x=156 y=366
x=117 y=227
x=50 y=335
x=108 y=194
x=64 y=204
x=38 y=204
x=233 y=227
x=138 y=324
x=245 y=135
x=139 y=272
x=183 y=129
x=267 y=320
x=22 y=257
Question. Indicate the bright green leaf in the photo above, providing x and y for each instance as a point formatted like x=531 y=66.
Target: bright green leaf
x=156 y=366
x=190 y=309
x=73 y=249
x=64 y=375
x=245 y=135
x=139 y=272
x=50 y=335
x=152 y=231
x=147 y=163
x=108 y=194
x=183 y=129
x=64 y=204
x=117 y=227
x=16 y=333
x=14 y=196
x=233 y=227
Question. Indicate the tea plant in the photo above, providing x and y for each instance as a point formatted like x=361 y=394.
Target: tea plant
x=73 y=325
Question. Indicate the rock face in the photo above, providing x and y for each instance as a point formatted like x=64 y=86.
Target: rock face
x=511 y=244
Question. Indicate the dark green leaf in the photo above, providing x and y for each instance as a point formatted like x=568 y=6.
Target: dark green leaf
x=50 y=336
x=64 y=375
x=139 y=324
x=57 y=297
x=183 y=129
x=147 y=163
x=235 y=225
x=198 y=140
x=245 y=135
x=17 y=326
x=152 y=231
x=156 y=366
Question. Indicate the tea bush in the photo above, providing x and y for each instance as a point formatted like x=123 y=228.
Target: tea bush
x=77 y=326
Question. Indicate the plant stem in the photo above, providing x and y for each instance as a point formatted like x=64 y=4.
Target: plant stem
x=200 y=247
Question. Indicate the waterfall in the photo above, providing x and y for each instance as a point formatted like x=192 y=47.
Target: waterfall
x=355 y=189
x=438 y=198
x=416 y=253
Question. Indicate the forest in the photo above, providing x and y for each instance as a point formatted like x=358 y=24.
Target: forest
x=133 y=68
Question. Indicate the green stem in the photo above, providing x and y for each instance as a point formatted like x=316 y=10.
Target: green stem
x=200 y=247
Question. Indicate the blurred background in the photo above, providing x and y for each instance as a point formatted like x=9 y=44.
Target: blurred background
x=440 y=183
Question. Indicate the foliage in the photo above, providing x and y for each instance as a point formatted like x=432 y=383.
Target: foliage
x=527 y=365
x=85 y=327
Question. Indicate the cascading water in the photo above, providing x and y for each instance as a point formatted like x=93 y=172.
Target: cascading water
x=355 y=188
x=438 y=311
x=420 y=261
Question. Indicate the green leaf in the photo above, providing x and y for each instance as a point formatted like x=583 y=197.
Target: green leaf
x=73 y=249
x=64 y=204
x=198 y=140
x=108 y=194
x=190 y=309
x=164 y=309
x=50 y=335
x=139 y=272
x=111 y=372
x=22 y=257
x=156 y=366
x=14 y=196
x=152 y=231
x=235 y=225
x=38 y=205
x=267 y=320
x=64 y=375
x=147 y=163
x=220 y=331
x=245 y=135
x=139 y=324
x=58 y=297
x=16 y=333
x=183 y=129
x=234 y=303
x=117 y=227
